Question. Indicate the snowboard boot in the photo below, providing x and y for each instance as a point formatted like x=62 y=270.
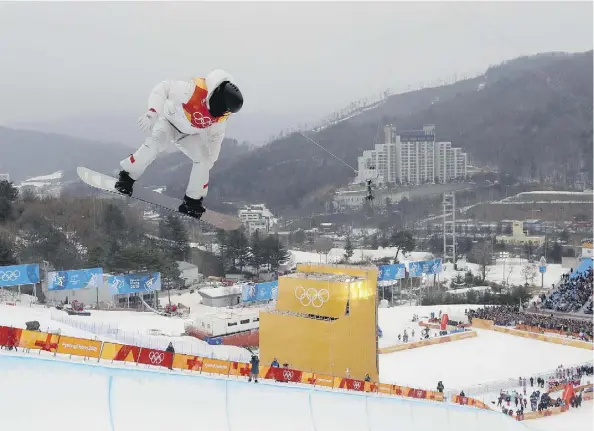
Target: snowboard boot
x=192 y=207
x=124 y=184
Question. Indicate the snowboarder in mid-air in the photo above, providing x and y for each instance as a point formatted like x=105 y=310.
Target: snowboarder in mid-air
x=191 y=114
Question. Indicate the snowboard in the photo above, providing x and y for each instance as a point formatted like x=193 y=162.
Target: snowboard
x=169 y=203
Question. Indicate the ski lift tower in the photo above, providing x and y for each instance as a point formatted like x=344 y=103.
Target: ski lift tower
x=449 y=227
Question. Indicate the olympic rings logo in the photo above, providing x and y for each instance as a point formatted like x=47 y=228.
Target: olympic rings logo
x=10 y=275
x=287 y=374
x=357 y=385
x=156 y=357
x=315 y=298
x=201 y=120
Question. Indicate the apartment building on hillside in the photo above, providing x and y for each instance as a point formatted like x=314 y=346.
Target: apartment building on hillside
x=411 y=157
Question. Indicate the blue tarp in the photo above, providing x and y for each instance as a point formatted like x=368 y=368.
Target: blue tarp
x=582 y=267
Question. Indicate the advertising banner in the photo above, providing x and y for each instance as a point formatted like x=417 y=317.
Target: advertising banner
x=19 y=274
x=79 y=347
x=134 y=283
x=75 y=279
x=187 y=362
x=424 y=267
x=215 y=366
x=38 y=340
x=351 y=384
x=283 y=374
x=260 y=292
x=308 y=378
x=384 y=388
x=120 y=352
x=239 y=369
x=9 y=336
x=391 y=272
x=323 y=380
x=155 y=357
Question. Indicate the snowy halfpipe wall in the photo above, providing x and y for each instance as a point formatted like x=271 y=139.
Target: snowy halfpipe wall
x=46 y=394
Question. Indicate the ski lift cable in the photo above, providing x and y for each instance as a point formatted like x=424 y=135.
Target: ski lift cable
x=329 y=152
x=369 y=196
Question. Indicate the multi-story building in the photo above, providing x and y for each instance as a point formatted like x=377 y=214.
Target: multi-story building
x=411 y=157
x=450 y=162
x=257 y=217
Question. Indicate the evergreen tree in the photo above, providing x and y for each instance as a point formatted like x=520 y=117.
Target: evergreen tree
x=404 y=242
x=8 y=194
x=258 y=251
x=238 y=248
x=348 y=248
x=7 y=251
x=175 y=234
x=273 y=251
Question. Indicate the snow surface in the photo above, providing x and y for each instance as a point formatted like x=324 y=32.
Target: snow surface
x=120 y=398
x=489 y=357
x=55 y=176
x=580 y=419
x=129 y=327
x=509 y=271
x=117 y=392
x=359 y=254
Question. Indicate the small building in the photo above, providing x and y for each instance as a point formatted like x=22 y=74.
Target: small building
x=225 y=296
x=189 y=273
x=519 y=236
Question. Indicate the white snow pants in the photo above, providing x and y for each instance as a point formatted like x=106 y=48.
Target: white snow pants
x=196 y=147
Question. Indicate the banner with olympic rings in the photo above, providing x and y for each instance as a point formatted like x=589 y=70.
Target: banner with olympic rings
x=155 y=357
x=15 y=275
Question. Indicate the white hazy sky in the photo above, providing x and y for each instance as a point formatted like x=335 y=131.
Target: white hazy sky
x=59 y=60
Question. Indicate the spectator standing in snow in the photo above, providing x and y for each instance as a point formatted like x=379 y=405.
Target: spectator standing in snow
x=440 y=386
x=274 y=363
x=171 y=350
x=255 y=369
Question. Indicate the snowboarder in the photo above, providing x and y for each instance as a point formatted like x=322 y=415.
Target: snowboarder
x=255 y=369
x=191 y=114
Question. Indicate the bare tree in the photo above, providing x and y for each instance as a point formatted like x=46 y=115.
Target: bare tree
x=529 y=272
x=481 y=255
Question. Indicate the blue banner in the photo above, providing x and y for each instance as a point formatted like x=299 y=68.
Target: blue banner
x=134 y=283
x=75 y=279
x=19 y=274
x=424 y=267
x=259 y=292
x=391 y=272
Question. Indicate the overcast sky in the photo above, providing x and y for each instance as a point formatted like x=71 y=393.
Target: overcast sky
x=68 y=59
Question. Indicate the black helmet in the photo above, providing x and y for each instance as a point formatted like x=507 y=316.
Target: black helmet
x=225 y=98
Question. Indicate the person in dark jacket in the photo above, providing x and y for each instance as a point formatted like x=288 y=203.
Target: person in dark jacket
x=274 y=363
x=171 y=350
x=440 y=386
x=255 y=369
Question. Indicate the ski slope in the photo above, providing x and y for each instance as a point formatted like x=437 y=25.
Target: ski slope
x=49 y=394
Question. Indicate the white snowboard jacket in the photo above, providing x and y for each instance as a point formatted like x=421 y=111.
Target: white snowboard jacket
x=185 y=104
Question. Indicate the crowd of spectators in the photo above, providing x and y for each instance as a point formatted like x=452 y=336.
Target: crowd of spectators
x=571 y=294
x=513 y=403
x=511 y=315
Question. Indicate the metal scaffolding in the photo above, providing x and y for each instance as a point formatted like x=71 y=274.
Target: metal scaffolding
x=449 y=227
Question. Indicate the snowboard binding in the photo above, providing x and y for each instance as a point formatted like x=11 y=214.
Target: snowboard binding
x=124 y=184
x=192 y=207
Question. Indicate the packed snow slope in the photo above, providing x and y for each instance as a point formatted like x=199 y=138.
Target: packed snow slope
x=47 y=394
